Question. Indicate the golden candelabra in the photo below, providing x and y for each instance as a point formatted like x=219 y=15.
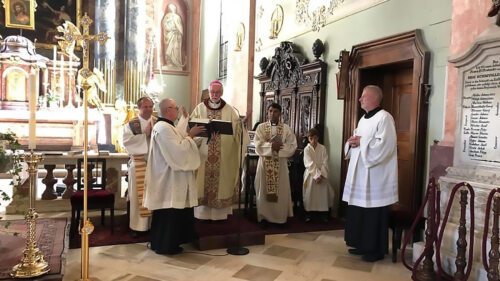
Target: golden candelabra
x=71 y=36
x=33 y=262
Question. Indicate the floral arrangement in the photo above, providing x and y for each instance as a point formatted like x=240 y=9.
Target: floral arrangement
x=9 y=159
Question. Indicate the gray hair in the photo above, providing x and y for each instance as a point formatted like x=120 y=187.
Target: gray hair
x=376 y=90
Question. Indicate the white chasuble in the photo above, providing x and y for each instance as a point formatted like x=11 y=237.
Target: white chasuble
x=275 y=211
x=372 y=176
x=217 y=178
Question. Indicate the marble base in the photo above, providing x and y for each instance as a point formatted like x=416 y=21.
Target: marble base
x=448 y=263
x=483 y=180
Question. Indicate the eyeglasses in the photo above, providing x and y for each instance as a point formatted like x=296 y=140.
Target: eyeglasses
x=176 y=107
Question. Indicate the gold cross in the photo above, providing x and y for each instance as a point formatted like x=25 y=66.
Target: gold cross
x=72 y=35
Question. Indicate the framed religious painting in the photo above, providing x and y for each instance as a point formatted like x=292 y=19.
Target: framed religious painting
x=20 y=14
x=44 y=18
x=173 y=32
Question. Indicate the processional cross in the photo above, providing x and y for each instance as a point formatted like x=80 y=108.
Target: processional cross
x=71 y=37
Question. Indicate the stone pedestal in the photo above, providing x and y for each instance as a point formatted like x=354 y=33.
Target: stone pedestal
x=483 y=180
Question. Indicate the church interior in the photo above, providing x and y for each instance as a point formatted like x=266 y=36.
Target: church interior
x=72 y=72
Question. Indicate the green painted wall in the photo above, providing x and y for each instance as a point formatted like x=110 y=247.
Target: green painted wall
x=388 y=18
x=209 y=39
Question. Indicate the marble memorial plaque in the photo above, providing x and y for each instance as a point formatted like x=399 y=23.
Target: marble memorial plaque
x=478 y=128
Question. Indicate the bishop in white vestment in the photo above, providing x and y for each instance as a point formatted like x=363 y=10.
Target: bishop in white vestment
x=217 y=178
x=372 y=178
x=170 y=177
x=275 y=142
x=136 y=138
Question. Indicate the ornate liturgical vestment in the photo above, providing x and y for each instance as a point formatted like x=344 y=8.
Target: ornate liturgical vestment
x=272 y=184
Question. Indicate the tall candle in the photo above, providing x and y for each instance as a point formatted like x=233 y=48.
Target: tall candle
x=54 y=56
x=61 y=97
x=32 y=108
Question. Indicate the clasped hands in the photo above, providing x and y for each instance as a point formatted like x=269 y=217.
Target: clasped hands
x=354 y=141
x=276 y=144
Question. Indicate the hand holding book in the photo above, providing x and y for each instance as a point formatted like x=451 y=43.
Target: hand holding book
x=212 y=126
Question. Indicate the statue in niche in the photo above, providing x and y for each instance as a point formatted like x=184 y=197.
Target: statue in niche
x=173 y=32
x=286 y=111
x=493 y=12
x=305 y=109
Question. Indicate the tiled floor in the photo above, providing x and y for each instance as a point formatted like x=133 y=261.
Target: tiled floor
x=318 y=256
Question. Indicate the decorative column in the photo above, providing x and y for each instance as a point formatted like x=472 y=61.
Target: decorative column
x=108 y=20
x=135 y=48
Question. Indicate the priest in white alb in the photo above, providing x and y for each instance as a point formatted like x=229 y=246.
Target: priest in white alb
x=275 y=142
x=136 y=138
x=371 y=183
x=170 y=177
x=217 y=178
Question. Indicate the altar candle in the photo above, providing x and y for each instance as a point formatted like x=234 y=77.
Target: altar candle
x=32 y=108
x=54 y=56
x=61 y=97
x=70 y=81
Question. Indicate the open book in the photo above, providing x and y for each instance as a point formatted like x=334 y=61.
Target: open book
x=212 y=125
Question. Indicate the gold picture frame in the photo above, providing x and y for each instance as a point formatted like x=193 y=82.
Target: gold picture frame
x=48 y=14
x=20 y=14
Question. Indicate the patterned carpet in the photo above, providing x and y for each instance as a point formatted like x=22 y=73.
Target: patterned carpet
x=51 y=240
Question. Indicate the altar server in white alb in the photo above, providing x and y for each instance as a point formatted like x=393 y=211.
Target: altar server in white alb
x=274 y=143
x=317 y=193
x=170 y=177
x=371 y=183
x=136 y=137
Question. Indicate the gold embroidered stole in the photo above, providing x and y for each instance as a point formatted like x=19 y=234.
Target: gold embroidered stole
x=140 y=174
x=272 y=164
x=140 y=167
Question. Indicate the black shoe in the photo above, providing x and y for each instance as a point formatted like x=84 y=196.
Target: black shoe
x=372 y=257
x=264 y=224
x=175 y=251
x=134 y=234
x=355 y=251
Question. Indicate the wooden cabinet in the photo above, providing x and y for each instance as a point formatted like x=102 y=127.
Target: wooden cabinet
x=300 y=88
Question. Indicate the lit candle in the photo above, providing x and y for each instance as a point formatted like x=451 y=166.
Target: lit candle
x=32 y=107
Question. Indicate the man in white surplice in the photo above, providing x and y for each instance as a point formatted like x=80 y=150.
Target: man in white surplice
x=274 y=143
x=170 y=181
x=136 y=137
x=371 y=183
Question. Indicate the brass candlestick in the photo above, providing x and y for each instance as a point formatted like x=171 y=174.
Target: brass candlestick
x=33 y=262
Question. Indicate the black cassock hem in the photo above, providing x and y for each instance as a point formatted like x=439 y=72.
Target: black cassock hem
x=170 y=228
x=367 y=229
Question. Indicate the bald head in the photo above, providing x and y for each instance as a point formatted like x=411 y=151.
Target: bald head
x=168 y=109
x=371 y=98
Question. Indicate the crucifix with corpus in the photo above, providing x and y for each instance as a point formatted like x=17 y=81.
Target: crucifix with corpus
x=88 y=79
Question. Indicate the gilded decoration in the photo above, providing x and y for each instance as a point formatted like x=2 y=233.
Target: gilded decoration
x=314 y=12
x=276 y=22
x=240 y=37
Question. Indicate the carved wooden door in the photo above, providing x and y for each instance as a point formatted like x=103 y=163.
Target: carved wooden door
x=399 y=65
x=399 y=99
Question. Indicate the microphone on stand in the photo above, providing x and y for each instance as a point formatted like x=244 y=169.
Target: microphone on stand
x=238 y=250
